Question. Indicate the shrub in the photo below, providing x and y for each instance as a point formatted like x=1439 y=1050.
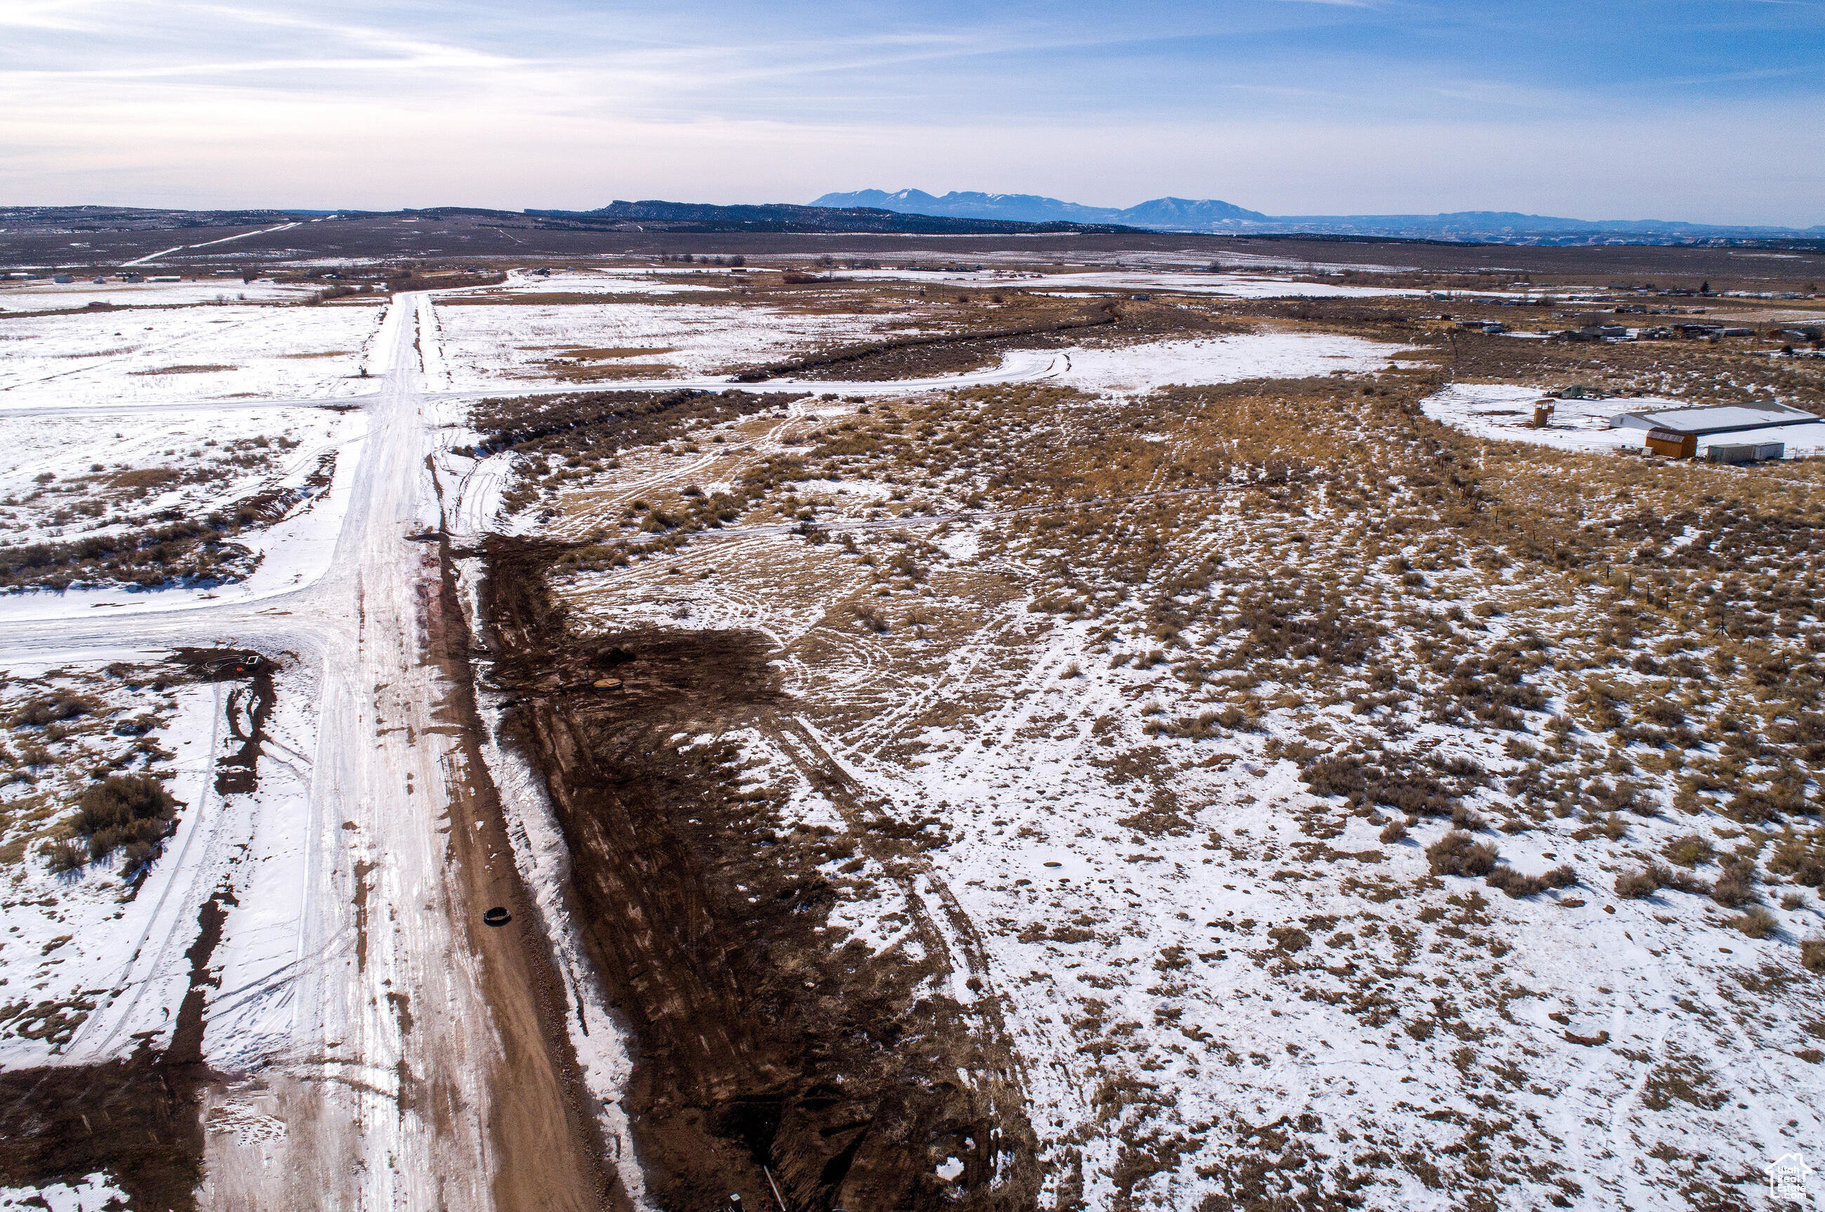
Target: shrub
x=1755 y=805
x=1812 y=954
x=130 y=810
x=1737 y=884
x=1803 y=863
x=1399 y=785
x=67 y=856
x=1756 y=922
x=1635 y=885
x=53 y=708
x=870 y=617
x=120 y=799
x=1392 y=832
x=1518 y=886
x=1457 y=853
x=1688 y=851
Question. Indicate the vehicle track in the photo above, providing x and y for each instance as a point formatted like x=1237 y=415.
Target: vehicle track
x=86 y=1046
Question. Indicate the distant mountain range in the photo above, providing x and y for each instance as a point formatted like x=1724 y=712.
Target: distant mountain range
x=1169 y=214
x=1226 y=218
x=785 y=217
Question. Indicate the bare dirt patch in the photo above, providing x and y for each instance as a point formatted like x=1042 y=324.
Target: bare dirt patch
x=765 y=1040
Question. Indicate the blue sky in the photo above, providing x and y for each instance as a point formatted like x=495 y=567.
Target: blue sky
x=1699 y=109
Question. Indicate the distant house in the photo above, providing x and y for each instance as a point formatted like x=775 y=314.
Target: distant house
x=1595 y=332
x=1751 y=432
x=1716 y=419
x=63 y=278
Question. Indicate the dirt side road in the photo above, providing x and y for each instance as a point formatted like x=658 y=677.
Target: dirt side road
x=405 y=1055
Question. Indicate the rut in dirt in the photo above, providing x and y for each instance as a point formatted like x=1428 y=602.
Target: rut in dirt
x=769 y=1049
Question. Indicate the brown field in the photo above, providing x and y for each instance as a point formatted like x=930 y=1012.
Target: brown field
x=1477 y=653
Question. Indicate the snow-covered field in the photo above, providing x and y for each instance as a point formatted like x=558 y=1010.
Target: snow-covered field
x=617 y=280
x=47 y=295
x=1208 y=968
x=115 y=954
x=1233 y=285
x=496 y=346
x=173 y=356
x=148 y=464
x=1260 y=355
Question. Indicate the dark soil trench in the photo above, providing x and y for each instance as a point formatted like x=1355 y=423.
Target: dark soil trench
x=768 y=1049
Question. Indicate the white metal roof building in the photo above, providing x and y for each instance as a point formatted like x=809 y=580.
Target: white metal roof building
x=1726 y=418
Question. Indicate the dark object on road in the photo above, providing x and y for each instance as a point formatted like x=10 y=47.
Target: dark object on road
x=497 y=916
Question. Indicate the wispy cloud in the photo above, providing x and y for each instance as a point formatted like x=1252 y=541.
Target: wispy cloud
x=670 y=96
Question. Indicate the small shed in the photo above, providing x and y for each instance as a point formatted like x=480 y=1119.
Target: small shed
x=1745 y=452
x=1672 y=443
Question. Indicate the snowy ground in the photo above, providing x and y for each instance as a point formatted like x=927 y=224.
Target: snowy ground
x=173 y=356
x=616 y=280
x=1233 y=285
x=46 y=295
x=493 y=346
x=68 y=935
x=1261 y=355
x=190 y=462
x=312 y=990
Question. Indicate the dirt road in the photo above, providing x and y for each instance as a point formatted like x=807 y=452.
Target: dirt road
x=411 y=1057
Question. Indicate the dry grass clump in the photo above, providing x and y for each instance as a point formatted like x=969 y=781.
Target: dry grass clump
x=1638 y=885
x=1458 y=853
x=1801 y=860
x=1812 y=954
x=1688 y=851
x=56 y=707
x=130 y=811
x=1756 y=922
x=1390 y=779
x=1520 y=886
x=1736 y=886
